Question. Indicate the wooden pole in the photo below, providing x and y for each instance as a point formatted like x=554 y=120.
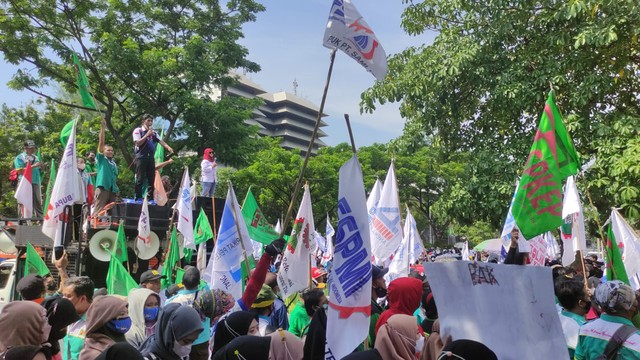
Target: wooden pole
x=215 y=226
x=296 y=190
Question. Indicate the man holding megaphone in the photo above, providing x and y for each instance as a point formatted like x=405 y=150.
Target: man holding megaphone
x=146 y=140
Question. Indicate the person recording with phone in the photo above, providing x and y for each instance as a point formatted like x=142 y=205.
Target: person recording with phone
x=146 y=140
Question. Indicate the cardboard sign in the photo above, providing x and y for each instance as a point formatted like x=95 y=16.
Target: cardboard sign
x=509 y=308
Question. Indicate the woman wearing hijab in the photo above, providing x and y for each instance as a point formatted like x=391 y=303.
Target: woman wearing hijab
x=144 y=306
x=400 y=338
x=404 y=296
x=467 y=349
x=213 y=304
x=209 y=169
x=315 y=341
x=60 y=314
x=28 y=352
x=236 y=324
x=120 y=351
x=23 y=323
x=434 y=345
x=279 y=345
x=177 y=328
x=107 y=322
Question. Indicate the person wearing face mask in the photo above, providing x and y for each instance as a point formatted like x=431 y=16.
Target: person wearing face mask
x=60 y=314
x=107 y=174
x=400 y=338
x=236 y=324
x=91 y=166
x=83 y=177
x=78 y=290
x=107 y=322
x=378 y=290
x=575 y=305
x=144 y=307
x=178 y=327
x=619 y=305
x=23 y=323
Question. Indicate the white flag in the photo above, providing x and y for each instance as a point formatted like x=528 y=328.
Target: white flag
x=347 y=31
x=24 y=192
x=399 y=266
x=201 y=259
x=573 y=235
x=552 y=245
x=294 y=269
x=349 y=310
x=278 y=227
x=465 y=251
x=386 y=227
x=223 y=270
x=329 y=232
x=144 y=228
x=66 y=191
x=185 y=213
x=509 y=223
x=629 y=245
x=415 y=247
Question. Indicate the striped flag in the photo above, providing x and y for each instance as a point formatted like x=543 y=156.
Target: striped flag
x=24 y=192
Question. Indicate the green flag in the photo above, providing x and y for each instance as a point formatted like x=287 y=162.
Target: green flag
x=537 y=207
x=65 y=133
x=172 y=258
x=52 y=180
x=179 y=275
x=203 y=228
x=34 y=265
x=121 y=245
x=188 y=254
x=159 y=154
x=615 y=266
x=119 y=281
x=83 y=84
x=259 y=228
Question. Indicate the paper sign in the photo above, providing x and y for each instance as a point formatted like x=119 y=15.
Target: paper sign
x=509 y=308
x=538 y=250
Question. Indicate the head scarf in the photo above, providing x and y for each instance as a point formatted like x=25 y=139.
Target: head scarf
x=397 y=338
x=26 y=352
x=213 y=303
x=245 y=347
x=208 y=154
x=315 y=341
x=21 y=323
x=234 y=325
x=60 y=314
x=175 y=322
x=372 y=354
x=137 y=297
x=120 y=351
x=433 y=346
x=98 y=337
x=404 y=298
x=285 y=346
x=614 y=296
x=468 y=349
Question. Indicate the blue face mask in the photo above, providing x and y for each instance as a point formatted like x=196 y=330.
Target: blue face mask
x=151 y=314
x=120 y=325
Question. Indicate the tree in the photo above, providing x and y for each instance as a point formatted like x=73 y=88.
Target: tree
x=141 y=57
x=481 y=85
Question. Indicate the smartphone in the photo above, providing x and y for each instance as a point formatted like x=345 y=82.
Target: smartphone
x=58 y=252
x=170 y=156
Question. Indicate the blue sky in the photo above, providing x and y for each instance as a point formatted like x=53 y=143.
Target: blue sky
x=286 y=40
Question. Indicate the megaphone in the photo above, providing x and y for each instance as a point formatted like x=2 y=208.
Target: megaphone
x=102 y=244
x=6 y=243
x=147 y=252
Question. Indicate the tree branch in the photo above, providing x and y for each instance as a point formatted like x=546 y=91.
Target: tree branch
x=56 y=100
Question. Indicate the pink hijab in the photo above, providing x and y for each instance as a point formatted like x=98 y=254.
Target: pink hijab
x=208 y=154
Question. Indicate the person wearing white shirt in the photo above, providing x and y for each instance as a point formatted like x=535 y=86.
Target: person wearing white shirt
x=209 y=173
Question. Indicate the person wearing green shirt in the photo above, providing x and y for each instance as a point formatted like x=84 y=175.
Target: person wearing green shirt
x=107 y=174
x=575 y=304
x=619 y=303
x=91 y=167
x=20 y=163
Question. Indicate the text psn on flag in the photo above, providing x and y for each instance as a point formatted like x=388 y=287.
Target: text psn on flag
x=349 y=310
x=185 y=215
x=347 y=31
x=65 y=191
x=144 y=228
x=294 y=269
x=386 y=227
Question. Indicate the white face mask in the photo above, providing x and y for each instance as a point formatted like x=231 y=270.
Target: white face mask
x=181 y=350
x=419 y=344
x=46 y=330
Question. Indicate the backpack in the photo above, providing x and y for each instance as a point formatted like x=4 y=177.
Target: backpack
x=619 y=337
x=13 y=177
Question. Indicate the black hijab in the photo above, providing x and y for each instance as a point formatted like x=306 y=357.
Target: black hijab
x=372 y=354
x=231 y=327
x=245 y=347
x=120 y=351
x=316 y=336
x=174 y=323
x=60 y=314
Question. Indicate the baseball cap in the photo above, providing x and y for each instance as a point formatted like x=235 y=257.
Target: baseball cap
x=29 y=144
x=151 y=275
x=378 y=272
x=317 y=272
x=31 y=287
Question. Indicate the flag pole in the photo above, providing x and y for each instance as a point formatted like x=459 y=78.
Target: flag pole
x=215 y=227
x=296 y=190
x=353 y=143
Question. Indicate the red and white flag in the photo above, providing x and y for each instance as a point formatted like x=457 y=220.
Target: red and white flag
x=347 y=31
x=143 y=241
x=66 y=191
x=573 y=235
x=295 y=267
x=24 y=192
x=349 y=310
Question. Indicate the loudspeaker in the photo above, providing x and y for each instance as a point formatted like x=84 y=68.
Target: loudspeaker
x=146 y=253
x=102 y=244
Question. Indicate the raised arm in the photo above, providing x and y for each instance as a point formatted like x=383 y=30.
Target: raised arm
x=103 y=124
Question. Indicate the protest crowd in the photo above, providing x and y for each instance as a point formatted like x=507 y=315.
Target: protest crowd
x=236 y=287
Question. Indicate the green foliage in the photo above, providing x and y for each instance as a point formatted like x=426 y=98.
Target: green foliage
x=480 y=87
x=477 y=232
x=141 y=57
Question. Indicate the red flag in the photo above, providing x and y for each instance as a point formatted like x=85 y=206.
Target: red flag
x=24 y=192
x=90 y=191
